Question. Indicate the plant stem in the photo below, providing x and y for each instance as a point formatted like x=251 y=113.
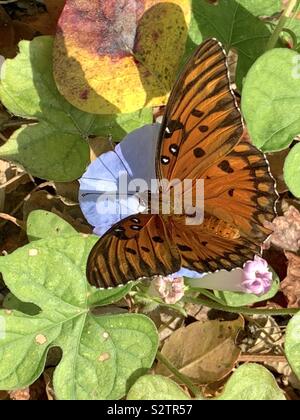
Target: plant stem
x=241 y=310
x=8 y=1
x=3 y=138
x=183 y=378
x=208 y=294
x=282 y=21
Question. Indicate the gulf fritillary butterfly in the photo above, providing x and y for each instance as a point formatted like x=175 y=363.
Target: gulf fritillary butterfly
x=199 y=139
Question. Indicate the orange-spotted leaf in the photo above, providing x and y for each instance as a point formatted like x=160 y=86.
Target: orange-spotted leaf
x=124 y=54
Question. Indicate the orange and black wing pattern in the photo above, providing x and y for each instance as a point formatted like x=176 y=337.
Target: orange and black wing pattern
x=202 y=122
x=139 y=246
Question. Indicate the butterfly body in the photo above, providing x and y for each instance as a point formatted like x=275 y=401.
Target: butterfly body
x=199 y=140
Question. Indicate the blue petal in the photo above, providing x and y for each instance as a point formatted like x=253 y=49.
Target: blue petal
x=185 y=272
x=99 y=197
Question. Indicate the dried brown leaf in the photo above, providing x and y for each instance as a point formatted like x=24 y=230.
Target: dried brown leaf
x=286 y=229
x=205 y=352
x=20 y=394
x=291 y=285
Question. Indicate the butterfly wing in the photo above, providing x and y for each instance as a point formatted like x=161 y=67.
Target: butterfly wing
x=240 y=196
x=241 y=191
x=139 y=246
x=203 y=249
x=200 y=140
x=202 y=121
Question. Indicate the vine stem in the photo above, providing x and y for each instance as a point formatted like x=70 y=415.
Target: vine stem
x=241 y=310
x=282 y=21
x=182 y=378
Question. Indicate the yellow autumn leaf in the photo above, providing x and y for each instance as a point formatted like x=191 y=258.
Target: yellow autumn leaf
x=119 y=55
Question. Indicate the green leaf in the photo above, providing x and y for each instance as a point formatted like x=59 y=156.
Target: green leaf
x=252 y=382
x=118 y=125
x=156 y=387
x=292 y=344
x=46 y=153
x=292 y=170
x=235 y=299
x=43 y=224
x=103 y=297
x=261 y=7
x=271 y=99
x=235 y=27
x=106 y=366
x=101 y=355
x=56 y=147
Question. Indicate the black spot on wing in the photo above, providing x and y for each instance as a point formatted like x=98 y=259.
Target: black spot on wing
x=157 y=239
x=197 y=113
x=145 y=249
x=231 y=192
x=172 y=126
x=131 y=251
x=198 y=152
x=184 y=248
x=225 y=167
x=203 y=128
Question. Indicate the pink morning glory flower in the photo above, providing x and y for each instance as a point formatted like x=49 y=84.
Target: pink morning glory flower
x=170 y=288
x=257 y=277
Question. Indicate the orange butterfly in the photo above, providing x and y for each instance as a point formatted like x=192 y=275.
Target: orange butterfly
x=199 y=139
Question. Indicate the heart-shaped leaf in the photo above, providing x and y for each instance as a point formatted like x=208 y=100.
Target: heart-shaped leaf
x=123 y=56
x=271 y=99
x=56 y=147
x=43 y=224
x=100 y=354
x=252 y=383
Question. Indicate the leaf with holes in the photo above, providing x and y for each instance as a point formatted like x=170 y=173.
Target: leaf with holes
x=43 y=224
x=123 y=56
x=101 y=354
x=56 y=146
x=252 y=383
x=271 y=99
